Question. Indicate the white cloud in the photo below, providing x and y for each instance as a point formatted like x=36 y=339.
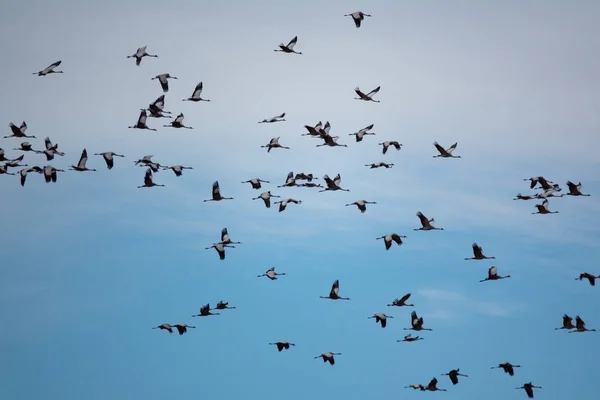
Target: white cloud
x=442 y=304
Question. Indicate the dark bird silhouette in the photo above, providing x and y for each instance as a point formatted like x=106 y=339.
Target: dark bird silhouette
x=528 y=387
x=401 y=302
x=478 y=254
x=205 y=311
x=567 y=323
x=334 y=293
x=507 y=367
x=358 y=17
x=493 y=275
x=141 y=53
x=591 y=278
x=49 y=70
x=580 y=326
x=381 y=318
x=182 y=328
x=166 y=327
x=454 y=374
x=416 y=323
x=195 y=97
x=329 y=356
x=368 y=96
x=282 y=345
x=148 y=181
x=163 y=79
x=289 y=48
x=216 y=193
x=387 y=239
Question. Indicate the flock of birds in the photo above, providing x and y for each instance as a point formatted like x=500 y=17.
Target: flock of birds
x=319 y=131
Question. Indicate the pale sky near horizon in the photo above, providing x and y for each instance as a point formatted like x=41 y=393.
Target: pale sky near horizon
x=91 y=263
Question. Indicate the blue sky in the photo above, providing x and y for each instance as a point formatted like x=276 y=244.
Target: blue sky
x=91 y=263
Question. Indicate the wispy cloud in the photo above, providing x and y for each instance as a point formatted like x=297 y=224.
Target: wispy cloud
x=445 y=304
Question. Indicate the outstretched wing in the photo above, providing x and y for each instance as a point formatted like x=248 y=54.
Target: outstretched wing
x=374 y=91
x=292 y=43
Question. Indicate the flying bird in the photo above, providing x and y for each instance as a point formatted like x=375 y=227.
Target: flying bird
x=478 y=254
x=591 y=278
x=544 y=184
x=81 y=164
x=220 y=248
x=144 y=160
x=334 y=293
x=454 y=374
x=426 y=224
x=157 y=108
x=333 y=184
x=50 y=173
x=432 y=386
x=543 y=208
x=386 y=145
x=368 y=96
x=15 y=162
x=507 y=367
x=575 y=189
x=445 y=153
x=331 y=141
x=361 y=204
x=278 y=118
x=177 y=169
x=195 y=97
x=216 y=193
x=266 y=197
x=567 y=323
x=290 y=180
x=18 y=131
x=139 y=54
x=387 y=239
x=362 y=133
x=256 y=183
x=381 y=318
x=283 y=203
x=526 y=197
x=148 y=182
x=163 y=79
x=109 y=158
x=177 y=123
x=49 y=70
x=328 y=356
x=357 y=16
x=410 y=338
x=141 y=122
x=221 y=305
x=379 y=165
x=290 y=46
x=580 y=326
x=528 y=387
x=271 y=274
x=282 y=345
x=225 y=237
x=401 y=302
x=23 y=173
x=25 y=146
x=416 y=386
x=493 y=275
x=205 y=311
x=416 y=323
x=316 y=131
x=166 y=327
x=182 y=328
x=274 y=144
